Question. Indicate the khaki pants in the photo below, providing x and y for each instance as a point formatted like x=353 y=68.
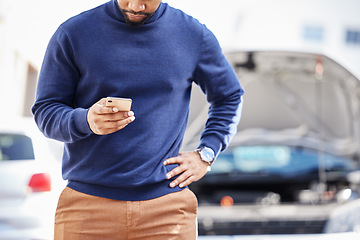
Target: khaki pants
x=84 y=217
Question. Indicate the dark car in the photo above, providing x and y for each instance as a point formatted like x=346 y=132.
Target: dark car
x=254 y=174
x=298 y=139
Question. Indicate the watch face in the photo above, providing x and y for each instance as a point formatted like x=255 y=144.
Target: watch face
x=207 y=154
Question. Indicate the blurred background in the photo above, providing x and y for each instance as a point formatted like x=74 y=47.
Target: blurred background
x=327 y=26
x=302 y=56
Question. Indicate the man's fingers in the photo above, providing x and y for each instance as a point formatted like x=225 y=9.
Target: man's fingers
x=169 y=161
x=187 y=182
x=182 y=180
x=118 y=116
x=176 y=171
x=115 y=125
x=191 y=168
x=105 y=120
x=173 y=160
x=184 y=175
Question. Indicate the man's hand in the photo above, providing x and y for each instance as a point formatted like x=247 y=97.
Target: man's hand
x=191 y=168
x=105 y=120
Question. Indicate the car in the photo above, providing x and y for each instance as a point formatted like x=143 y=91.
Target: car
x=273 y=173
x=330 y=236
x=297 y=141
x=30 y=181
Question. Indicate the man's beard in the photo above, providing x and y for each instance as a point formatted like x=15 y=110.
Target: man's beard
x=132 y=23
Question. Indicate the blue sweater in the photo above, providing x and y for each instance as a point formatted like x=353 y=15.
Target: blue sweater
x=95 y=55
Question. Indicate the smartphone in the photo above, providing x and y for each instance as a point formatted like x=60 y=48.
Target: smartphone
x=122 y=104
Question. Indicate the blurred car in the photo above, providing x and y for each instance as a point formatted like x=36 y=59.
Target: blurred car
x=30 y=181
x=271 y=173
x=332 y=236
x=298 y=139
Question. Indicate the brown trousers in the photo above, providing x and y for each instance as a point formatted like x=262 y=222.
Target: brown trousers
x=84 y=217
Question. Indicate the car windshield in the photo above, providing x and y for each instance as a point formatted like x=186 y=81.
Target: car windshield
x=15 y=147
x=275 y=159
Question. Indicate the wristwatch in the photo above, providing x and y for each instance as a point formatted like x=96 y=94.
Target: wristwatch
x=206 y=154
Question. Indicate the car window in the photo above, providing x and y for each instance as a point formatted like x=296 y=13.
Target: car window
x=15 y=147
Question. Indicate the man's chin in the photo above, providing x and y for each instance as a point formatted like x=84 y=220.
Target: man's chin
x=134 y=20
x=134 y=24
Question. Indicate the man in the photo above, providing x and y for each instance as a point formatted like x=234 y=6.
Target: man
x=126 y=177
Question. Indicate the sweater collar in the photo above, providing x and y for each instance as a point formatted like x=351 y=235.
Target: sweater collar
x=115 y=9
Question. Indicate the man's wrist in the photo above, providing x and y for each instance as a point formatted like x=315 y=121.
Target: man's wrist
x=206 y=154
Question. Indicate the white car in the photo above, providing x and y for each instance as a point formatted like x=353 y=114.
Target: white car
x=30 y=181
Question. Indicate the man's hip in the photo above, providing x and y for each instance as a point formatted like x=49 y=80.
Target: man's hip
x=82 y=216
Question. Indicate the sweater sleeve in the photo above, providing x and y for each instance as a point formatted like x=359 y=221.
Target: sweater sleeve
x=54 y=110
x=218 y=81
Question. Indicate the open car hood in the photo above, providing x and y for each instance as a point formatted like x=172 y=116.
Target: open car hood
x=291 y=98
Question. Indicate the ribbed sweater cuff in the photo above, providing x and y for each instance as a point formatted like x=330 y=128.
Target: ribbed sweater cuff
x=80 y=121
x=213 y=142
